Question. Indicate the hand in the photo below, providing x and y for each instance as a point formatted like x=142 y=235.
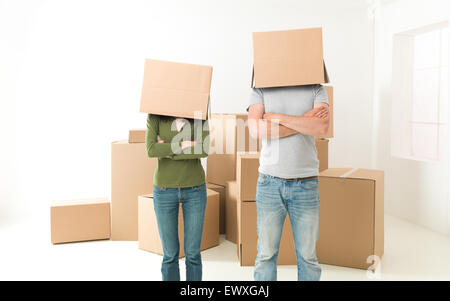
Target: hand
x=187 y=144
x=272 y=117
x=160 y=141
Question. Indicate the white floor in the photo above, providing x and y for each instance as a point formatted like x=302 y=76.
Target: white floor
x=411 y=253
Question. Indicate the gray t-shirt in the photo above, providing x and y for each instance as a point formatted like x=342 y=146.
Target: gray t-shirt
x=294 y=156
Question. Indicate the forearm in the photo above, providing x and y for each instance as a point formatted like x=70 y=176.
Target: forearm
x=199 y=150
x=312 y=126
x=159 y=150
x=269 y=130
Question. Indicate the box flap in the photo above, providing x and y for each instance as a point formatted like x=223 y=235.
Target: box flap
x=175 y=89
x=288 y=58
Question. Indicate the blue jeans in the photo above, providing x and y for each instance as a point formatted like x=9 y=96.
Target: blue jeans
x=274 y=198
x=167 y=203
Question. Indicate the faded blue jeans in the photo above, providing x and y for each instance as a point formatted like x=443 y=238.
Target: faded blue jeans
x=193 y=203
x=300 y=199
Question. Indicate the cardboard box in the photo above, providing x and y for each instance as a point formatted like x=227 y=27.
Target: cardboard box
x=149 y=239
x=176 y=89
x=131 y=175
x=288 y=58
x=231 y=211
x=330 y=94
x=247 y=175
x=322 y=153
x=229 y=134
x=80 y=220
x=221 y=190
x=351 y=225
x=137 y=136
x=248 y=238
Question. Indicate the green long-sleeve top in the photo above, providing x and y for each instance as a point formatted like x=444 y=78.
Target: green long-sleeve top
x=176 y=167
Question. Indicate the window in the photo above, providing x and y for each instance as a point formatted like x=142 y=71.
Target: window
x=420 y=111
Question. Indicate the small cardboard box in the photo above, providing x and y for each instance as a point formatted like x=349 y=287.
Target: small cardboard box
x=247 y=175
x=80 y=220
x=221 y=190
x=330 y=94
x=229 y=134
x=137 y=136
x=322 y=153
x=351 y=224
x=176 y=89
x=288 y=58
x=149 y=239
x=248 y=238
x=231 y=211
x=131 y=175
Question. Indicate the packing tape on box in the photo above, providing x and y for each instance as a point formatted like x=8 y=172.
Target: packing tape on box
x=351 y=171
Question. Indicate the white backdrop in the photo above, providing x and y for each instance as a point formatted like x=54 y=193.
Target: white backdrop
x=71 y=74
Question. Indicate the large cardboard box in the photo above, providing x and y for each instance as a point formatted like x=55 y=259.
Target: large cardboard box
x=80 y=220
x=231 y=211
x=248 y=238
x=351 y=225
x=131 y=175
x=288 y=58
x=330 y=94
x=137 y=136
x=176 y=89
x=149 y=239
x=229 y=134
x=322 y=153
x=247 y=175
x=221 y=190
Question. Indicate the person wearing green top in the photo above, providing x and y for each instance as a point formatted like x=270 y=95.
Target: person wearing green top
x=179 y=178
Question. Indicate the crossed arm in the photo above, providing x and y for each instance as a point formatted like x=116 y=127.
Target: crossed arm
x=275 y=125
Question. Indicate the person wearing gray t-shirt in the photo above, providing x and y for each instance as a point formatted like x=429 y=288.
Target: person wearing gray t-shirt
x=287 y=119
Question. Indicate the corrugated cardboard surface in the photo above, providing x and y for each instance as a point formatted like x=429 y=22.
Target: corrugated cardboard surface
x=231 y=211
x=247 y=246
x=175 y=89
x=221 y=190
x=149 y=239
x=131 y=175
x=351 y=225
x=137 y=136
x=247 y=175
x=288 y=58
x=80 y=220
x=322 y=153
x=229 y=135
x=330 y=94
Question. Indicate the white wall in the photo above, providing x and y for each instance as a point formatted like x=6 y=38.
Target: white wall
x=416 y=191
x=76 y=71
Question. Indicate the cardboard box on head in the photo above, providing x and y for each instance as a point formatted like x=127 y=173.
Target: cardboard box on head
x=288 y=58
x=176 y=89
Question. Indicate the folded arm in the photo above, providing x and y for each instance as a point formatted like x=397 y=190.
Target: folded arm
x=313 y=123
x=198 y=148
x=264 y=129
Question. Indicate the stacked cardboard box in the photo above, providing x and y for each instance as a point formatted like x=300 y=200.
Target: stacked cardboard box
x=131 y=176
x=221 y=191
x=247 y=178
x=149 y=239
x=228 y=135
x=80 y=220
